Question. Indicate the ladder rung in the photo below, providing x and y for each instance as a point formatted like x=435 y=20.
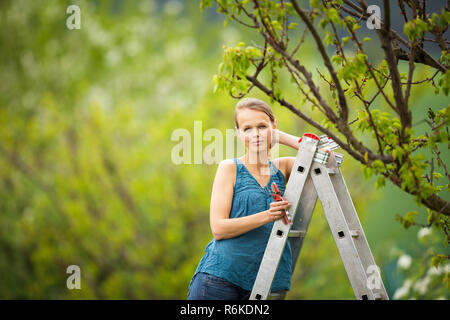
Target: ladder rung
x=296 y=233
x=354 y=233
x=331 y=171
x=377 y=296
x=274 y=296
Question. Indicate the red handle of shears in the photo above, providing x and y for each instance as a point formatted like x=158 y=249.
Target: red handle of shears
x=276 y=195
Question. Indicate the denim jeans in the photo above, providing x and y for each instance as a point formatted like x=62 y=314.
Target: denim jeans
x=205 y=286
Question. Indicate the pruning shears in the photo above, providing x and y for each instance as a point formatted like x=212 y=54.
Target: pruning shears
x=277 y=195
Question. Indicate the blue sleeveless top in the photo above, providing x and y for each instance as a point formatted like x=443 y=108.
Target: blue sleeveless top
x=237 y=259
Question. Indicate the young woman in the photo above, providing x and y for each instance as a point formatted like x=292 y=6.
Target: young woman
x=242 y=210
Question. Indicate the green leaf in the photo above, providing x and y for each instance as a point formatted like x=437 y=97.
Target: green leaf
x=328 y=38
x=337 y=59
x=408 y=220
x=437 y=175
x=205 y=4
x=345 y=40
x=366 y=171
x=276 y=25
x=415 y=28
x=332 y=15
x=381 y=182
x=323 y=23
x=378 y=165
x=438 y=259
x=314 y=3
x=397 y=153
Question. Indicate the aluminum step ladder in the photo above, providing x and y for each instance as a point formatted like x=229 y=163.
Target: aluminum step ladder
x=316 y=174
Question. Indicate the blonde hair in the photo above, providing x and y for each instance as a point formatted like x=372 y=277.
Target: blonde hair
x=253 y=104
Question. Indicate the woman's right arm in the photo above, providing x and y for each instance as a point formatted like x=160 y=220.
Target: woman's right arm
x=224 y=227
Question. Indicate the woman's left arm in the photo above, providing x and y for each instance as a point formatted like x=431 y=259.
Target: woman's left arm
x=286 y=139
x=290 y=140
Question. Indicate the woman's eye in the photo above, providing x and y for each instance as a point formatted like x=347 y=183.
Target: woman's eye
x=262 y=127
x=246 y=129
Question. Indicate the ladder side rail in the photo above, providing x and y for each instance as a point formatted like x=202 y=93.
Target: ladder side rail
x=271 y=259
x=280 y=231
x=362 y=246
x=341 y=232
x=302 y=219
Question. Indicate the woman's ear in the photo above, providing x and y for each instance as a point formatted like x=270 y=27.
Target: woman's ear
x=275 y=123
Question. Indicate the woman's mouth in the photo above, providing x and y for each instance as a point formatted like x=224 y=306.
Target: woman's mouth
x=257 y=143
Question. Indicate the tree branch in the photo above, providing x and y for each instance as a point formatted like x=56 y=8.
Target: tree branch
x=422 y=56
x=386 y=40
x=342 y=101
x=411 y=56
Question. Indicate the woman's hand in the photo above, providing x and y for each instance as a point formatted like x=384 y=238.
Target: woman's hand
x=329 y=151
x=276 y=210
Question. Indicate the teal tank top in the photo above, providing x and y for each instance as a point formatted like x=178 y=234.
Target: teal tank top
x=237 y=259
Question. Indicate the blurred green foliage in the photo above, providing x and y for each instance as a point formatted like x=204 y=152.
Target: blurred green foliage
x=86 y=175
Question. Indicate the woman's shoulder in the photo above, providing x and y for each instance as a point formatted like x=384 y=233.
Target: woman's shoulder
x=227 y=169
x=284 y=164
x=227 y=164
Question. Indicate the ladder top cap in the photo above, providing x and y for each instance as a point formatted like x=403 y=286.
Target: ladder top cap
x=309 y=135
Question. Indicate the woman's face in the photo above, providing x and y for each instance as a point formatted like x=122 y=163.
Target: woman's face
x=255 y=130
